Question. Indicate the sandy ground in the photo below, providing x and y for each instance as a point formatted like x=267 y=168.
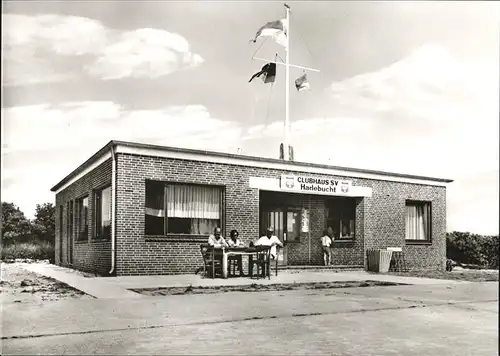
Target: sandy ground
x=18 y=285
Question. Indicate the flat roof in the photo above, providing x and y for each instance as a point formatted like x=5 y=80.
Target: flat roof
x=114 y=143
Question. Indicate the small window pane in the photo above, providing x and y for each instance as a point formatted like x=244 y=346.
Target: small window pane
x=341 y=216
x=83 y=227
x=293 y=223
x=106 y=213
x=103 y=213
x=155 y=209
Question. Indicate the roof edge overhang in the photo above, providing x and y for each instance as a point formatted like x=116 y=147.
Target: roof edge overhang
x=235 y=159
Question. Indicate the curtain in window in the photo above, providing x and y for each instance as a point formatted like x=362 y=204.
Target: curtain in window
x=186 y=201
x=203 y=226
x=416 y=222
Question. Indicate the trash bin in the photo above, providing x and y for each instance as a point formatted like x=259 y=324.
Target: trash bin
x=384 y=261
x=372 y=260
x=379 y=260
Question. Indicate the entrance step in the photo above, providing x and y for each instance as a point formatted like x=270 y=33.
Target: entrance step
x=323 y=268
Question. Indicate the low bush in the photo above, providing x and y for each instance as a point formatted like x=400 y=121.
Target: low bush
x=472 y=249
x=37 y=250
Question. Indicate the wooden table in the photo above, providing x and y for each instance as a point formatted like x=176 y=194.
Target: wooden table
x=236 y=251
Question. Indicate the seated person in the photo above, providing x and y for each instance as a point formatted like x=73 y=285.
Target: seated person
x=233 y=240
x=269 y=239
x=216 y=240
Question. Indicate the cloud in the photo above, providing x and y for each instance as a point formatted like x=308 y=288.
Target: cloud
x=144 y=53
x=430 y=103
x=428 y=114
x=70 y=133
x=426 y=85
x=52 y=48
x=71 y=125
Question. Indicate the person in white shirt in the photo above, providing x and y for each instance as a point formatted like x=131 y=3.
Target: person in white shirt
x=269 y=239
x=216 y=240
x=326 y=242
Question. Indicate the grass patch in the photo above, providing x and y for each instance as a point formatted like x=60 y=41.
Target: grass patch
x=41 y=250
x=258 y=288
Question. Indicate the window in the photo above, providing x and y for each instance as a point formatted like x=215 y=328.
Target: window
x=293 y=225
x=418 y=221
x=340 y=216
x=103 y=213
x=190 y=209
x=82 y=206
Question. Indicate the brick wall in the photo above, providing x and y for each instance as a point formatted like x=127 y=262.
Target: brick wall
x=380 y=219
x=89 y=254
x=385 y=222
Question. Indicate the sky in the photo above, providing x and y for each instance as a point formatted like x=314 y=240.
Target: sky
x=408 y=87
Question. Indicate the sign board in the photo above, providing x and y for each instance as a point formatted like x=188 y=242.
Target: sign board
x=315 y=185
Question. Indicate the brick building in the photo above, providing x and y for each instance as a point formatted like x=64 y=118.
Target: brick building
x=136 y=209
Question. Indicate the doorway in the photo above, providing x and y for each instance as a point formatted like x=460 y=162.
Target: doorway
x=286 y=224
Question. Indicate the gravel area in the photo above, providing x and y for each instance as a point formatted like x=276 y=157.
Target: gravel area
x=18 y=285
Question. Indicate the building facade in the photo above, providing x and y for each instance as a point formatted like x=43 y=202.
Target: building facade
x=136 y=209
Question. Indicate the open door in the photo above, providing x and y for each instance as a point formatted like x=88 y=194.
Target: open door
x=275 y=218
x=286 y=224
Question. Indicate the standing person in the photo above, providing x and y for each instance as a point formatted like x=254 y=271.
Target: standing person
x=216 y=240
x=269 y=239
x=326 y=242
x=234 y=241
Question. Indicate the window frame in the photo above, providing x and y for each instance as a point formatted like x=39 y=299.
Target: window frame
x=264 y=222
x=96 y=207
x=166 y=234
x=79 y=200
x=298 y=211
x=332 y=206
x=427 y=204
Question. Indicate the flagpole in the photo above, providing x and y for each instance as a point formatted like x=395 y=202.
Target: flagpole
x=287 y=83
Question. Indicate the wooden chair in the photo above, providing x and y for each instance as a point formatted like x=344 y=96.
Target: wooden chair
x=211 y=264
x=262 y=261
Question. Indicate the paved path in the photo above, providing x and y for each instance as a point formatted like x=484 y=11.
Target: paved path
x=118 y=287
x=96 y=287
x=458 y=319
x=186 y=280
